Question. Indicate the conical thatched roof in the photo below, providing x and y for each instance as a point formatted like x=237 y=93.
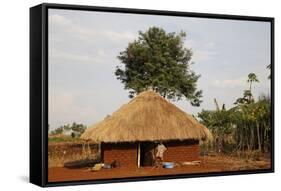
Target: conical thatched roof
x=147 y=117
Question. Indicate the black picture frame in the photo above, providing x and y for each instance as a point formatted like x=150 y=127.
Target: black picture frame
x=39 y=90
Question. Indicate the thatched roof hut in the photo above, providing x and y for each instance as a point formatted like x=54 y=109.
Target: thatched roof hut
x=147 y=117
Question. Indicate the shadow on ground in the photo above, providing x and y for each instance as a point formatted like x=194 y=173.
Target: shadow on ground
x=24 y=178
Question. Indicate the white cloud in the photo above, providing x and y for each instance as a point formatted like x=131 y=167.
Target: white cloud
x=203 y=55
x=64 y=106
x=88 y=44
x=59 y=20
x=95 y=58
x=230 y=83
x=210 y=45
x=101 y=53
x=202 y=51
x=94 y=34
x=120 y=36
x=60 y=25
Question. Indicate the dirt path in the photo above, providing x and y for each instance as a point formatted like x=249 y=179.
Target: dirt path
x=209 y=164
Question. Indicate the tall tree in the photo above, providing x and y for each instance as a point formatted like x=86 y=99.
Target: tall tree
x=247 y=95
x=252 y=78
x=158 y=60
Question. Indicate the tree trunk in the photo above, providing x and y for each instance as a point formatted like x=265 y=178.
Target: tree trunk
x=252 y=138
x=250 y=98
x=219 y=145
x=258 y=134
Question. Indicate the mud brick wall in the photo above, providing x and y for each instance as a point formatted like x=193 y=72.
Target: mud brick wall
x=68 y=149
x=125 y=153
x=180 y=151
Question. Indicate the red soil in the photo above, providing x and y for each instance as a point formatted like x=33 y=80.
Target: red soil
x=209 y=164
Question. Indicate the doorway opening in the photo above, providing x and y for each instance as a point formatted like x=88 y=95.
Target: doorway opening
x=147 y=152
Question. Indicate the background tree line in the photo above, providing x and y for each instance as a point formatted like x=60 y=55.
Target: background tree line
x=75 y=130
x=244 y=127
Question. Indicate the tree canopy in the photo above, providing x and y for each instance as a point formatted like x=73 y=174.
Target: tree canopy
x=158 y=60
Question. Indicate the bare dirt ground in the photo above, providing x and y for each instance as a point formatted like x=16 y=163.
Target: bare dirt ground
x=209 y=164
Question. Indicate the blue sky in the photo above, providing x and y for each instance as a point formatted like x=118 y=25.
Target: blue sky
x=83 y=49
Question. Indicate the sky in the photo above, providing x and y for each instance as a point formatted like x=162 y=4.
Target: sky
x=83 y=49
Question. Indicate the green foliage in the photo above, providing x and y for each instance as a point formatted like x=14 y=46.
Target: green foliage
x=219 y=122
x=248 y=96
x=57 y=131
x=252 y=78
x=246 y=99
x=158 y=60
x=248 y=122
x=76 y=130
x=253 y=124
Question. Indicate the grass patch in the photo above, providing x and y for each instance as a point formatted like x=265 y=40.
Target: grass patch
x=63 y=139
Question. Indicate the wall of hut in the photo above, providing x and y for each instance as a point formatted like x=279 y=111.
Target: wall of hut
x=124 y=153
x=181 y=151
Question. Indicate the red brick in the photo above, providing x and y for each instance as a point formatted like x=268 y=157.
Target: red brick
x=126 y=153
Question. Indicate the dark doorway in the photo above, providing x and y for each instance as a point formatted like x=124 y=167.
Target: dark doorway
x=147 y=153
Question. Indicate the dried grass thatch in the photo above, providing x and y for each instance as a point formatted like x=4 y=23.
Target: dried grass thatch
x=147 y=117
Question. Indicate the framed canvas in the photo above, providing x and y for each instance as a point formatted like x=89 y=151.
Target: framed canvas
x=128 y=94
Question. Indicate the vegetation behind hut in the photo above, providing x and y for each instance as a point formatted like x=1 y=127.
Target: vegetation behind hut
x=67 y=132
x=244 y=128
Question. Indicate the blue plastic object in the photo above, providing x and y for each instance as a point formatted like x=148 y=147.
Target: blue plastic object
x=168 y=165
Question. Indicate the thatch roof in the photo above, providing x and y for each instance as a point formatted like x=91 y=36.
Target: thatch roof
x=147 y=117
